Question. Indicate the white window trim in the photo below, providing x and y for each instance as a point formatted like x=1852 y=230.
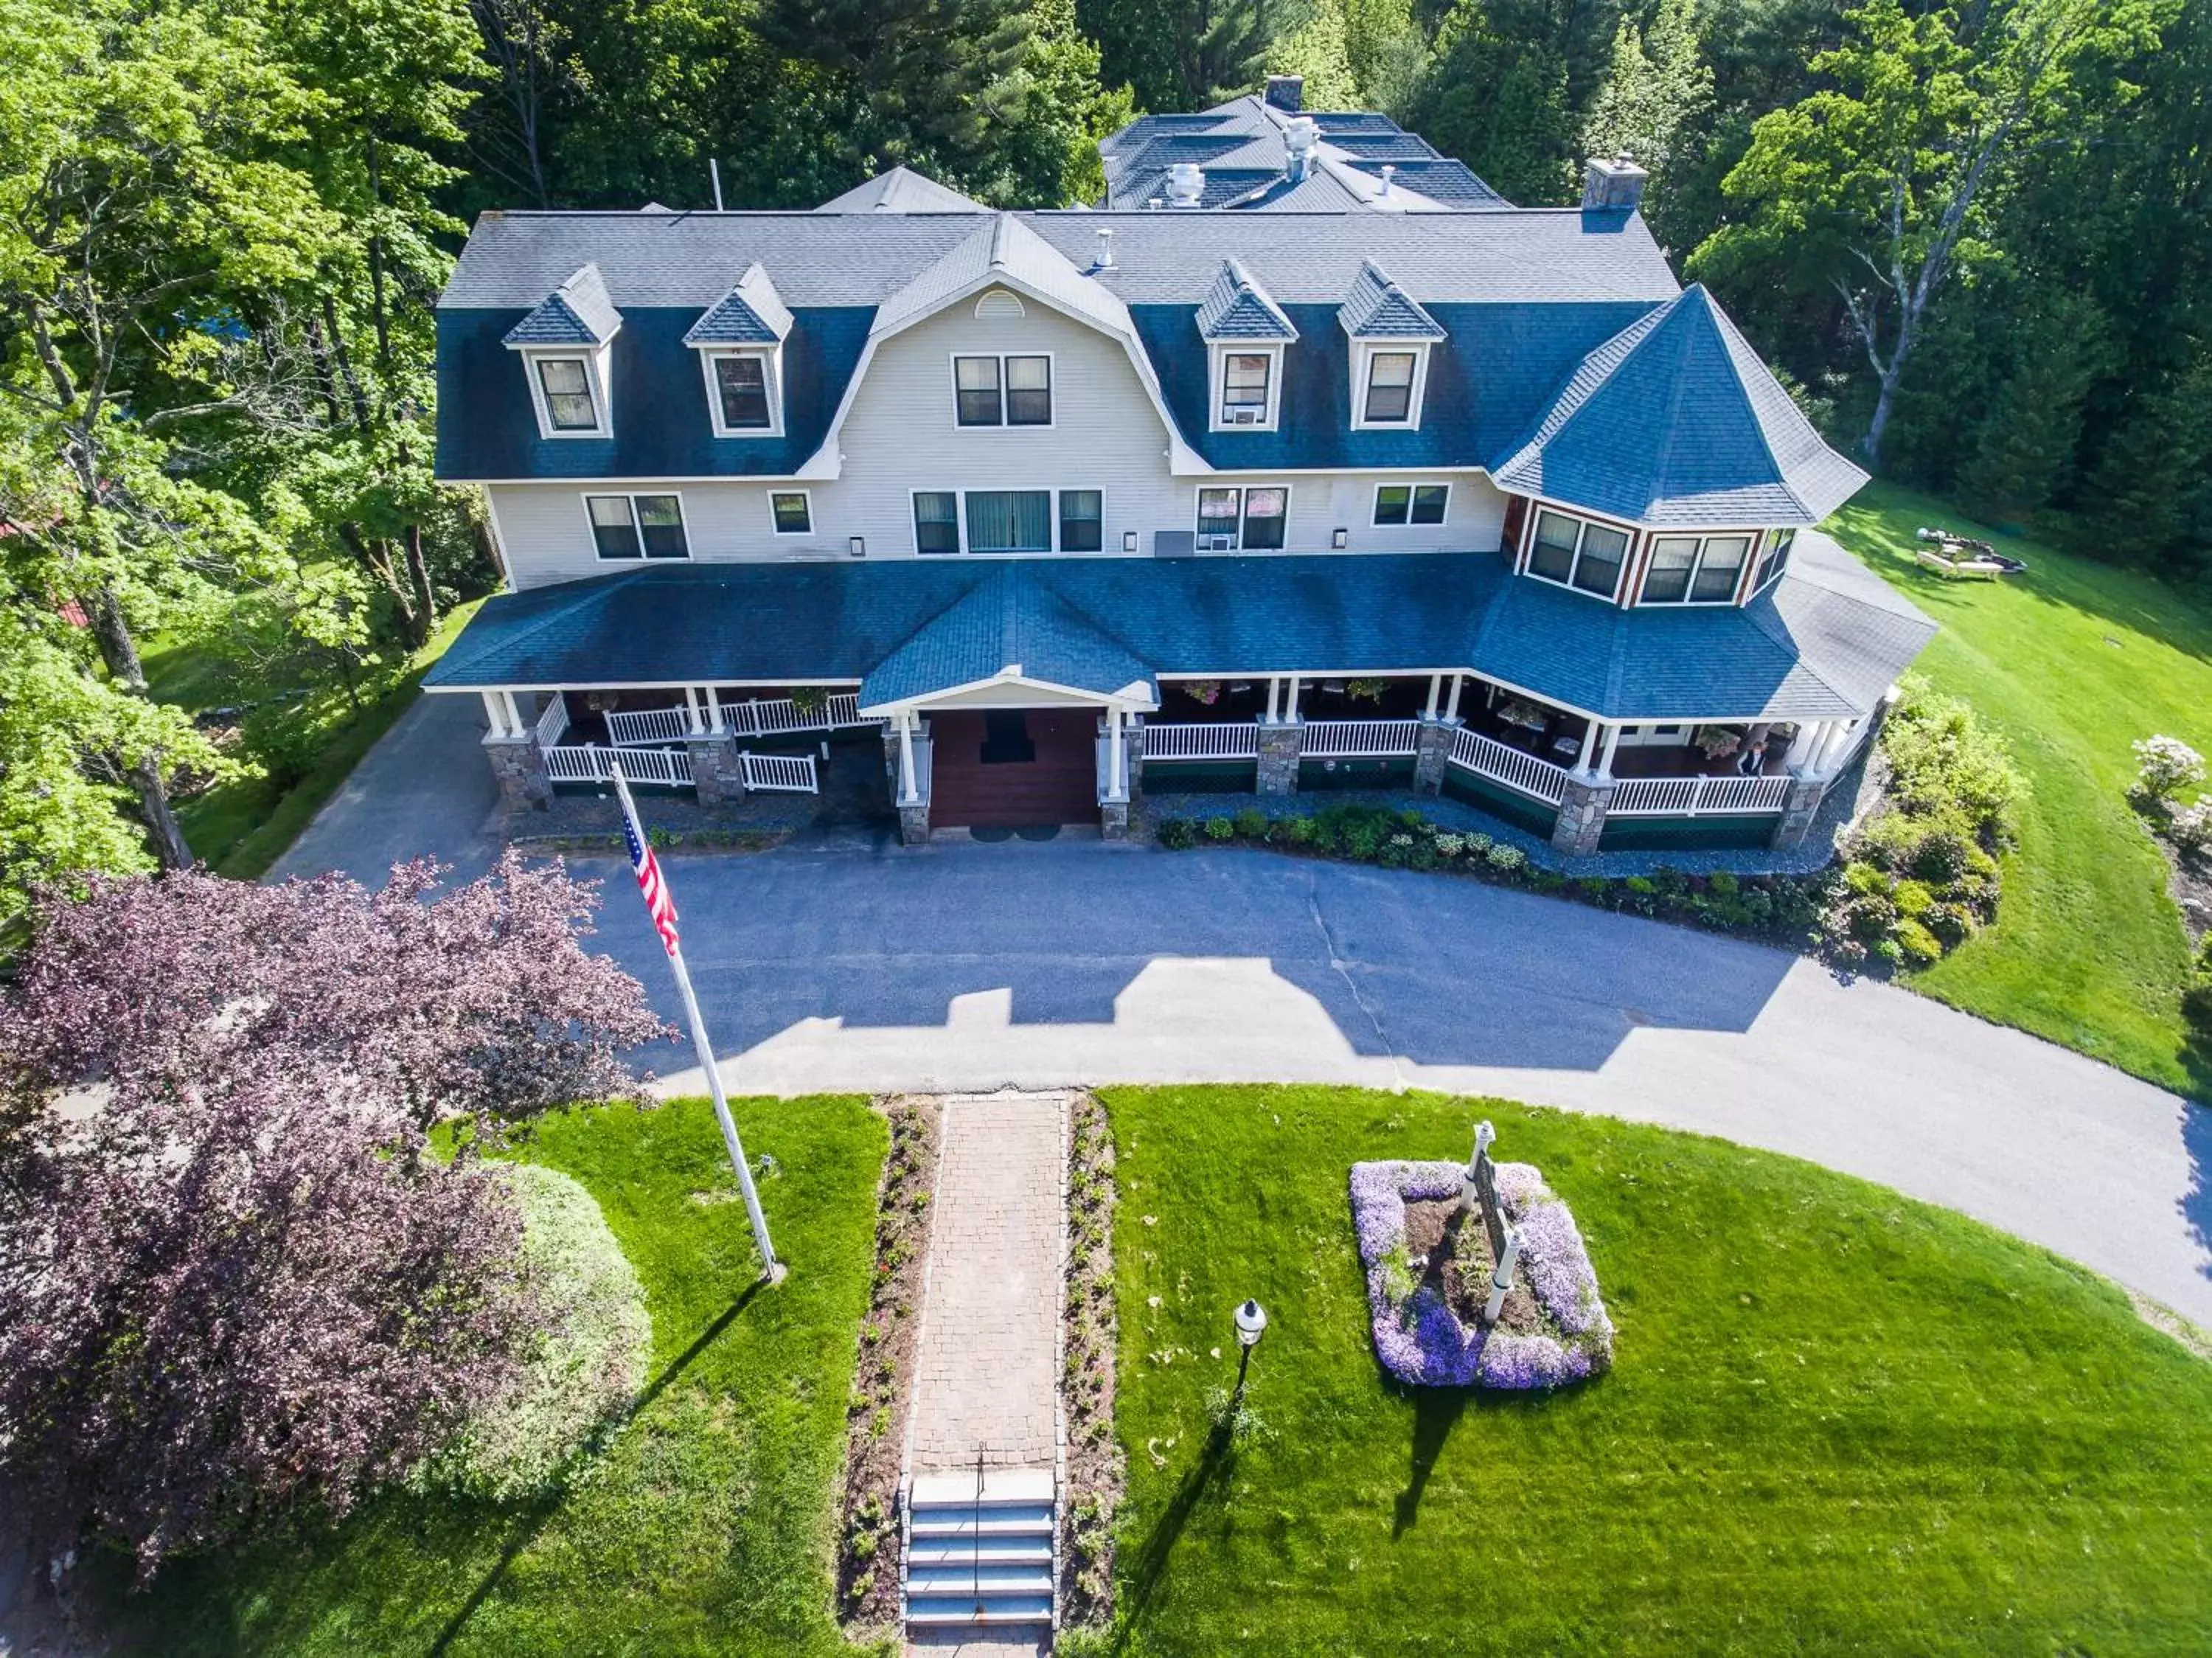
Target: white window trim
x=683 y=514
x=1218 y=375
x=772 y=359
x=1051 y=491
x=1243 y=492
x=1363 y=357
x=1375 y=507
x=1753 y=540
x=596 y=380
x=1537 y=509
x=1764 y=546
x=775 y=528
x=1052 y=380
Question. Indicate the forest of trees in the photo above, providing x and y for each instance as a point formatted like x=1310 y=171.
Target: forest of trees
x=1974 y=238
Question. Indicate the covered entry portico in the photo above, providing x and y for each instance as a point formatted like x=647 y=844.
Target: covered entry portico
x=1012 y=752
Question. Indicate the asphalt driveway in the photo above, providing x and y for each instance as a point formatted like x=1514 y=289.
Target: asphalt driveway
x=855 y=965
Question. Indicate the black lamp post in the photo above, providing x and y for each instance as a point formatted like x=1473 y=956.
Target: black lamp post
x=1251 y=1325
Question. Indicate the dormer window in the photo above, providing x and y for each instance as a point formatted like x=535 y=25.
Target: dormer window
x=565 y=383
x=1246 y=334
x=1248 y=388
x=563 y=344
x=1389 y=387
x=740 y=339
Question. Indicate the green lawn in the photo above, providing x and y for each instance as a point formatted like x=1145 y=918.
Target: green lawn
x=240 y=828
x=707 y=1526
x=2072 y=663
x=1838 y=1420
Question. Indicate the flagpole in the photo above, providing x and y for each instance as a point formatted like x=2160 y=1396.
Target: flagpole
x=774 y=1268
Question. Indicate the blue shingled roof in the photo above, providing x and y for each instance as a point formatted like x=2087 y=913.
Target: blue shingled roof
x=1453 y=183
x=662 y=427
x=577 y=312
x=750 y=314
x=1377 y=308
x=1676 y=421
x=1237 y=307
x=1823 y=644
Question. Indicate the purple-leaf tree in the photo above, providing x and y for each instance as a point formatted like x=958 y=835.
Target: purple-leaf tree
x=234 y=1284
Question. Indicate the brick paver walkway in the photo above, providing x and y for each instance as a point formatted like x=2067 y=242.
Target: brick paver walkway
x=985 y=1379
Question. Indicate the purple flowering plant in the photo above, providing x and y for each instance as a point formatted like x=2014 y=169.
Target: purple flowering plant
x=1420 y=1339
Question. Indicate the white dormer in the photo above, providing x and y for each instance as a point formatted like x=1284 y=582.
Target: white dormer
x=563 y=346
x=1390 y=336
x=1246 y=334
x=740 y=340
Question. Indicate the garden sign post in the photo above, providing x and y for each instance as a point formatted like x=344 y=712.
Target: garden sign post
x=661 y=906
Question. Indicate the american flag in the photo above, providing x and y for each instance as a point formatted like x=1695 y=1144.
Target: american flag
x=658 y=902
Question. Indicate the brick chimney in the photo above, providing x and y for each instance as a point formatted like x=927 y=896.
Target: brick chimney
x=1286 y=93
x=1614 y=186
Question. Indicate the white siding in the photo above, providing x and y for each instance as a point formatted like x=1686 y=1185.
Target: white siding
x=900 y=437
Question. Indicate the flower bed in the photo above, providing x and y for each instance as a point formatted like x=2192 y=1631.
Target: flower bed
x=1562 y=1335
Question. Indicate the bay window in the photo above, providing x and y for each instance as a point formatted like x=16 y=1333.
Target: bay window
x=1775 y=559
x=1578 y=553
x=637 y=525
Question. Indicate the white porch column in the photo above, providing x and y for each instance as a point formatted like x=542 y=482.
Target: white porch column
x=714 y=710
x=1838 y=746
x=515 y=727
x=1291 y=710
x=1451 y=708
x=691 y=710
x=496 y=714
x=1435 y=695
x=907 y=793
x=1114 y=763
x=1274 y=691
x=1611 y=743
x=1811 y=738
x=1591 y=733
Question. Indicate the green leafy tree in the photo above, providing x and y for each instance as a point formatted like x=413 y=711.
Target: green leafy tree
x=1186 y=54
x=1503 y=104
x=1657 y=91
x=1873 y=186
x=1320 y=51
x=1049 y=156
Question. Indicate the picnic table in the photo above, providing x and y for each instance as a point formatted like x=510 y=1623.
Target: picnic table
x=1959 y=557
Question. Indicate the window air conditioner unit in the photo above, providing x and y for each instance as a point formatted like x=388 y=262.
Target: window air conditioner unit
x=1217 y=544
x=1247 y=417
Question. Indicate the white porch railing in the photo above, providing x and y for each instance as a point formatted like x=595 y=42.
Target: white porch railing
x=1337 y=740
x=553 y=723
x=1537 y=779
x=589 y=762
x=766 y=717
x=791 y=774
x=1691 y=797
x=646 y=725
x=1236 y=739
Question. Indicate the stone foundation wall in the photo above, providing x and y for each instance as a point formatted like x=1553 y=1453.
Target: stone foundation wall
x=1280 y=746
x=1435 y=739
x=1581 y=815
x=518 y=764
x=716 y=771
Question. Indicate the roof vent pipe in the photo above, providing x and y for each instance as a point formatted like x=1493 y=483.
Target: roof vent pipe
x=1185 y=184
x=1388 y=171
x=1106 y=248
x=1299 y=137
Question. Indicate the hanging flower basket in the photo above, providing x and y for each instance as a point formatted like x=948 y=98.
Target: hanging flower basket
x=1716 y=742
x=1206 y=691
x=1365 y=691
x=809 y=700
x=1561 y=1332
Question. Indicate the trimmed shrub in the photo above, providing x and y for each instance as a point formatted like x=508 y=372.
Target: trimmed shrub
x=1941 y=857
x=1220 y=828
x=1177 y=834
x=1919 y=945
x=590 y=1360
x=1251 y=823
x=2165 y=766
x=2191 y=827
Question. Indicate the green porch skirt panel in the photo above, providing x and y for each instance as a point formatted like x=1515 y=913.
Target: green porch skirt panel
x=1712 y=834
x=1201 y=777
x=1495 y=798
x=1316 y=775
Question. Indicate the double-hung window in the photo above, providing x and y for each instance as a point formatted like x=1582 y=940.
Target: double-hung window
x=1009 y=391
x=1009 y=520
x=1775 y=559
x=1390 y=388
x=1082 y=520
x=1250 y=520
x=793 y=512
x=936 y=521
x=566 y=385
x=1578 y=553
x=742 y=391
x=1410 y=504
x=1695 y=571
x=637 y=525
x=1246 y=383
